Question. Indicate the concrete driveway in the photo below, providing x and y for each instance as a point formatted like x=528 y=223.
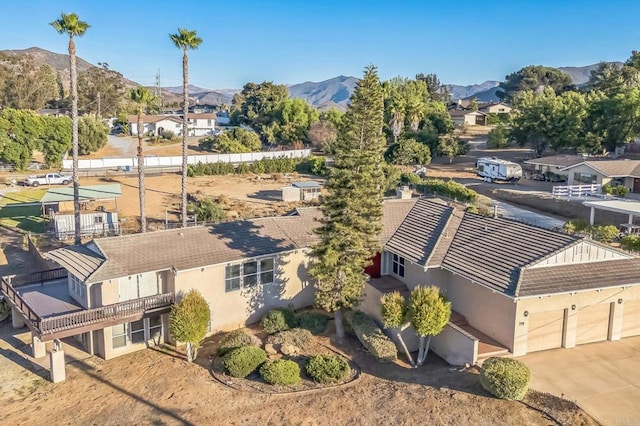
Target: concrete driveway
x=602 y=378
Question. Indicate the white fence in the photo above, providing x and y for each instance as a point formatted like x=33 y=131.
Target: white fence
x=176 y=161
x=576 y=190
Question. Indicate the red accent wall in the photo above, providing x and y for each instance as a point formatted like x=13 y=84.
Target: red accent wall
x=373 y=270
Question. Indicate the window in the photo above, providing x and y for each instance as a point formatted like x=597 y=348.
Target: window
x=584 y=178
x=119 y=336
x=97 y=219
x=78 y=286
x=208 y=123
x=137 y=331
x=155 y=328
x=398 y=265
x=249 y=274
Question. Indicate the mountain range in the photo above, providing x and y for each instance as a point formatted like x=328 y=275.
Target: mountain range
x=334 y=92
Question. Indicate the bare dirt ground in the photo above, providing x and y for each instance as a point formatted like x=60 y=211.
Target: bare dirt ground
x=157 y=386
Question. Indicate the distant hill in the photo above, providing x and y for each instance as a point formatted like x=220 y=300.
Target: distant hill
x=334 y=92
x=467 y=92
x=486 y=96
x=580 y=75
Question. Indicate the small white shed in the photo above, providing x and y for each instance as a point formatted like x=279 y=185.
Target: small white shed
x=301 y=191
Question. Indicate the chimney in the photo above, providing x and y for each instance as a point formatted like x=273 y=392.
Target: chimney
x=495 y=211
x=404 y=193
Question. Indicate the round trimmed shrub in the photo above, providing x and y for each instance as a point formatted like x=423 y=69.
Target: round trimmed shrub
x=280 y=372
x=243 y=361
x=315 y=322
x=298 y=337
x=327 y=368
x=278 y=320
x=505 y=378
x=234 y=340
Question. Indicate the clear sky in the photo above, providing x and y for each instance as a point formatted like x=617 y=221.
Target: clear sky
x=291 y=41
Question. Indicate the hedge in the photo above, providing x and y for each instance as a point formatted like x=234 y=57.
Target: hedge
x=311 y=164
x=297 y=337
x=315 y=322
x=327 y=369
x=279 y=319
x=439 y=187
x=505 y=378
x=243 y=361
x=234 y=340
x=280 y=372
x=371 y=337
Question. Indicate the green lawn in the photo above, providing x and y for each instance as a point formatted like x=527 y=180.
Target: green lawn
x=27 y=218
x=21 y=197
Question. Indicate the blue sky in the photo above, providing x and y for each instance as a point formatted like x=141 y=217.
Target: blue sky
x=290 y=41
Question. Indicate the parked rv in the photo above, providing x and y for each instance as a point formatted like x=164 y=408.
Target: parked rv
x=495 y=169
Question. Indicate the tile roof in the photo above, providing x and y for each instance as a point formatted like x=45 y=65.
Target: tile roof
x=491 y=251
x=416 y=238
x=189 y=248
x=557 y=160
x=576 y=277
x=154 y=118
x=610 y=168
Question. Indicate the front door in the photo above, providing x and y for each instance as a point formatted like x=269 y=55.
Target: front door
x=636 y=185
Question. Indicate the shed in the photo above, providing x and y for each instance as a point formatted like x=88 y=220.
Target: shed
x=301 y=191
x=61 y=199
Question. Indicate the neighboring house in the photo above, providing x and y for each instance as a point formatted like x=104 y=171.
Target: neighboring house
x=469 y=118
x=222 y=118
x=55 y=112
x=201 y=124
x=98 y=215
x=156 y=124
x=555 y=163
x=514 y=288
x=496 y=108
x=614 y=172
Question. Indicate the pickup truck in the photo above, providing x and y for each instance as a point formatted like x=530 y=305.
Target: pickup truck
x=48 y=179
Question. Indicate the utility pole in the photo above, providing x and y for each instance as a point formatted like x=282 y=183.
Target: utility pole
x=98 y=104
x=157 y=92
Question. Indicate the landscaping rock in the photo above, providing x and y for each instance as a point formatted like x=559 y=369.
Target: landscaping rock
x=270 y=349
x=289 y=350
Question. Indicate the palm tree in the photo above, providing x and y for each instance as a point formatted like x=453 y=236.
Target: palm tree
x=185 y=40
x=144 y=98
x=72 y=26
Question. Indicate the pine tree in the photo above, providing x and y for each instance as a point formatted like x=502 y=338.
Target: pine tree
x=353 y=206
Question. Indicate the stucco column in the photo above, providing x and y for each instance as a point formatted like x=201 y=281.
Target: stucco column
x=592 y=215
x=570 y=327
x=615 y=320
x=16 y=318
x=38 y=346
x=630 y=219
x=57 y=365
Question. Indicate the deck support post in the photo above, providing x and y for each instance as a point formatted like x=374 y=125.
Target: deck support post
x=16 y=318
x=38 y=346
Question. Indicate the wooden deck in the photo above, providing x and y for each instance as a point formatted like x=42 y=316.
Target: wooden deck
x=387 y=284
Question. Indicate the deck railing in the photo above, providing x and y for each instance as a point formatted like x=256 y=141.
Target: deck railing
x=37 y=277
x=10 y=293
x=104 y=313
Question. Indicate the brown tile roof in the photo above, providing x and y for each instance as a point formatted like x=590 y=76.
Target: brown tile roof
x=557 y=160
x=202 y=116
x=576 y=277
x=491 y=251
x=153 y=118
x=613 y=168
x=446 y=238
x=418 y=234
x=189 y=248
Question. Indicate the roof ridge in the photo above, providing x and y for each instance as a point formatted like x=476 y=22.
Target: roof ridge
x=453 y=213
x=439 y=240
x=104 y=256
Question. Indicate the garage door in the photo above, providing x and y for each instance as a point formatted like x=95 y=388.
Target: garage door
x=545 y=330
x=631 y=318
x=593 y=323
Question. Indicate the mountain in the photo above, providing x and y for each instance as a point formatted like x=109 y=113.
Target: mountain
x=465 y=92
x=580 y=75
x=58 y=61
x=334 y=92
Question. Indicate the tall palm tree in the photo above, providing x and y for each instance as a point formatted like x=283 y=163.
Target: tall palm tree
x=72 y=26
x=144 y=98
x=185 y=39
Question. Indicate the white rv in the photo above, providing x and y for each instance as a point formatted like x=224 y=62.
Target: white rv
x=494 y=169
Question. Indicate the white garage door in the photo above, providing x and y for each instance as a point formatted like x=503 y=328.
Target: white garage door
x=545 y=330
x=631 y=318
x=593 y=324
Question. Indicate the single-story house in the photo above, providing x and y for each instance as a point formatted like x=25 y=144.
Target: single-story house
x=496 y=108
x=514 y=288
x=554 y=163
x=467 y=117
x=156 y=124
x=614 y=172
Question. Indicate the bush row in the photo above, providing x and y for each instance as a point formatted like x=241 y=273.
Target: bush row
x=371 y=337
x=439 y=187
x=311 y=164
x=603 y=233
x=281 y=319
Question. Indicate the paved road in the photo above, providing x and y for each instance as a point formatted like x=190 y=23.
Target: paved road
x=602 y=378
x=126 y=147
x=527 y=216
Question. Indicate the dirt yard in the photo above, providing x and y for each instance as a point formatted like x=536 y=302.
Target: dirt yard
x=157 y=386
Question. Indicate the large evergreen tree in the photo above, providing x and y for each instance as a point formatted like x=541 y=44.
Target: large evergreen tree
x=353 y=206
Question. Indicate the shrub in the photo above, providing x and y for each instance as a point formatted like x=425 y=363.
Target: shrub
x=280 y=372
x=371 y=337
x=617 y=190
x=327 y=369
x=234 y=340
x=630 y=243
x=498 y=137
x=576 y=226
x=315 y=322
x=296 y=336
x=505 y=378
x=449 y=188
x=243 y=361
x=605 y=233
x=278 y=320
